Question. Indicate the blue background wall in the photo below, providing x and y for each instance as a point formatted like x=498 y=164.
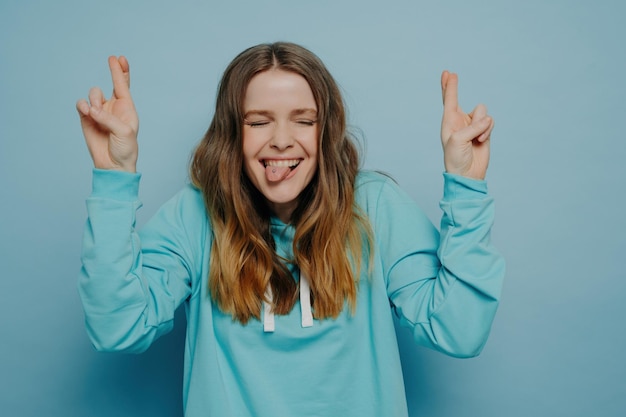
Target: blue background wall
x=552 y=74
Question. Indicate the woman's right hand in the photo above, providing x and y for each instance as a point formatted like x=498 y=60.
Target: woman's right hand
x=110 y=126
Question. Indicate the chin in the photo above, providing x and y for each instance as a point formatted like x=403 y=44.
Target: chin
x=282 y=194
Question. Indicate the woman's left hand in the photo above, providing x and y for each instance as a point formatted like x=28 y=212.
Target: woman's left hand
x=465 y=137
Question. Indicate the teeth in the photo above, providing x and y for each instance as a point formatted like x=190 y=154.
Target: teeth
x=281 y=162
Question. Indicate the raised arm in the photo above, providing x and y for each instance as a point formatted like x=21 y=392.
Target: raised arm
x=110 y=126
x=465 y=137
x=129 y=285
x=446 y=287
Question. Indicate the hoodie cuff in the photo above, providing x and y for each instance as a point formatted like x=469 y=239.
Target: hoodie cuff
x=457 y=187
x=116 y=185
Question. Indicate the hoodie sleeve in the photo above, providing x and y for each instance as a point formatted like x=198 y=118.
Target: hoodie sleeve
x=131 y=285
x=444 y=287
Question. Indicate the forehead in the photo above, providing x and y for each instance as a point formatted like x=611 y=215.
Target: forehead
x=276 y=90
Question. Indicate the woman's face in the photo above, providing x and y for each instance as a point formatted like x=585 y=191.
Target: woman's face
x=280 y=135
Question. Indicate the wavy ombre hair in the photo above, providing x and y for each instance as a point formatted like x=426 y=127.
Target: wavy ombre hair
x=331 y=234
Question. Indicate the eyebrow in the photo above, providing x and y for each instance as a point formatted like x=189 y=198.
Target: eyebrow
x=295 y=112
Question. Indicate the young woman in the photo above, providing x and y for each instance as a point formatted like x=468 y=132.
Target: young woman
x=291 y=263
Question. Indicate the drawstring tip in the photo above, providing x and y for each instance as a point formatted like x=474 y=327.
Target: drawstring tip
x=305 y=302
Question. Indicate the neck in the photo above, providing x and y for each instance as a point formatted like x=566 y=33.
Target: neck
x=283 y=211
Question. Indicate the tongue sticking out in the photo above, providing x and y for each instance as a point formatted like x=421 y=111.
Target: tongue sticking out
x=274 y=174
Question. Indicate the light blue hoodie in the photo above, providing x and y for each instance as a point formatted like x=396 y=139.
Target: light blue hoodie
x=445 y=289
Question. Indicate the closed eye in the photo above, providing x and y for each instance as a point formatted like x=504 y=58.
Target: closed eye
x=305 y=122
x=257 y=124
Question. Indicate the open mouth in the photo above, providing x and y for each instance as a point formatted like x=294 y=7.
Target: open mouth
x=279 y=169
x=281 y=163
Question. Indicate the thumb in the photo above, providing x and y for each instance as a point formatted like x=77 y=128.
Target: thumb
x=479 y=112
x=473 y=131
x=110 y=122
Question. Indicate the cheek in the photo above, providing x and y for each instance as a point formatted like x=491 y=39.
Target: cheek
x=253 y=141
x=249 y=149
x=246 y=144
x=248 y=158
x=249 y=165
x=310 y=143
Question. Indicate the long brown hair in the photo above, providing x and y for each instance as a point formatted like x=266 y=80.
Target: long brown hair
x=331 y=234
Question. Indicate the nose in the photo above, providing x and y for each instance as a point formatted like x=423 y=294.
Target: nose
x=282 y=137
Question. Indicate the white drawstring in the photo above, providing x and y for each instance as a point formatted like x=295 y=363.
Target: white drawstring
x=305 y=302
x=305 y=306
x=268 y=314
